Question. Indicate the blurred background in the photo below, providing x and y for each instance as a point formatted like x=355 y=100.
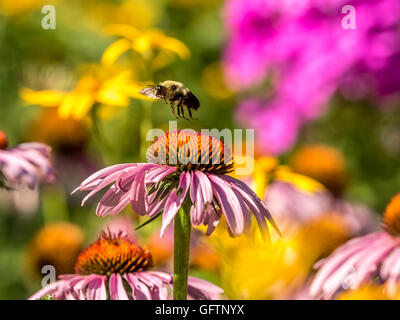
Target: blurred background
x=323 y=100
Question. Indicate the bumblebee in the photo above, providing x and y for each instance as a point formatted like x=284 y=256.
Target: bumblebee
x=176 y=94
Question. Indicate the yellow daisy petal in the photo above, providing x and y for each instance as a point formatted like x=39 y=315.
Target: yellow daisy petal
x=113 y=96
x=142 y=45
x=84 y=102
x=44 y=98
x=304 y=183
x=67 y=105
x=177 y=46
x=114 y=51
x=122 y=30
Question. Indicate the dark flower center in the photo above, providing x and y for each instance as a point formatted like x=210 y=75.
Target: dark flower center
x=113 y=254
x=190 y=150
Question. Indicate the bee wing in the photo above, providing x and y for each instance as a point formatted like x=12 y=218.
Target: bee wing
x=149 y=92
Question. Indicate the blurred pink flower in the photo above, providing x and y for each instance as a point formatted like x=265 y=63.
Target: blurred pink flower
x=27 y=163
x=162 y=185
x=116 y=268
x=292 y=207
x=358 y=261
x=282 y=123
x=363 y=259
x=310 y=57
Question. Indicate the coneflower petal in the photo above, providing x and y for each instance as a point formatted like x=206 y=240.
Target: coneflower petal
x=229 y=203
x=139 y=200
x=91 y=182
x=112 y=202
x=175 y=201
x=117 y=290
x=96 y=289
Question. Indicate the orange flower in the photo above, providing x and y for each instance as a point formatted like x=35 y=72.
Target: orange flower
x=322 y=163
x=56 y=244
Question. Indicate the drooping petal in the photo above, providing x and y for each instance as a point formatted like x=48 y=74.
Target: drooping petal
x=158 y=173
x=199 y=289
x=92 y=181
x=102 y=184
x=229 y=204
x=139 y=290
x=139 y=199
x=200 y=194
x=96 y=288
x=343 y=262
x=55 y=289
x=117 y=290
x=112 y=202
x=175 y=200
x=212 y=219
x=254 y=202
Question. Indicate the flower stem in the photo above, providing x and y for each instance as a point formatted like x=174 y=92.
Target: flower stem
x=182 y=229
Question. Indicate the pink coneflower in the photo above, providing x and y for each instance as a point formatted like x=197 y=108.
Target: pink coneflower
x=184 y=168
x=363 y=259
x=27 y=163
x=116 y=268
x=292 y=208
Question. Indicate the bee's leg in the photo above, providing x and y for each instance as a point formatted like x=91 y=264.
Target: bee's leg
x=173 y=110
x=179 y=111
x=190 y=114
x=182 y=111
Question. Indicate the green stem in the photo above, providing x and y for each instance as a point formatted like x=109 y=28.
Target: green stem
x=182 y=229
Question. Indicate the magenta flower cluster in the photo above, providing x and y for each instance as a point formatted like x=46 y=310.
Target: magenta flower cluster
x=302 y=50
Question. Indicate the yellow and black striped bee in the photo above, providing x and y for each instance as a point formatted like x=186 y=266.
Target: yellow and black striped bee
x=176 y=94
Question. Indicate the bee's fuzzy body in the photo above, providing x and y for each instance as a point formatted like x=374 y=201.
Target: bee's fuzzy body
x=176 y=94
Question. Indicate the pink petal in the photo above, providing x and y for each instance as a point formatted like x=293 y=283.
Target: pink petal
x=229 y=204
x=158 y=173
x=112 y=202
x=94 y=179
x=117 y=290
x=138 y=198
x=200 y=194
x=175 y=201
x=96 y=289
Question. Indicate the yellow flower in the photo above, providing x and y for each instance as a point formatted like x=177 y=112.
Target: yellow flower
x=12 y=7
x=320 y=236
x=152 y=44
x=100 y=85
x=302 y=182
x=366 y=292
x=251 y=268
x=267 y=169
